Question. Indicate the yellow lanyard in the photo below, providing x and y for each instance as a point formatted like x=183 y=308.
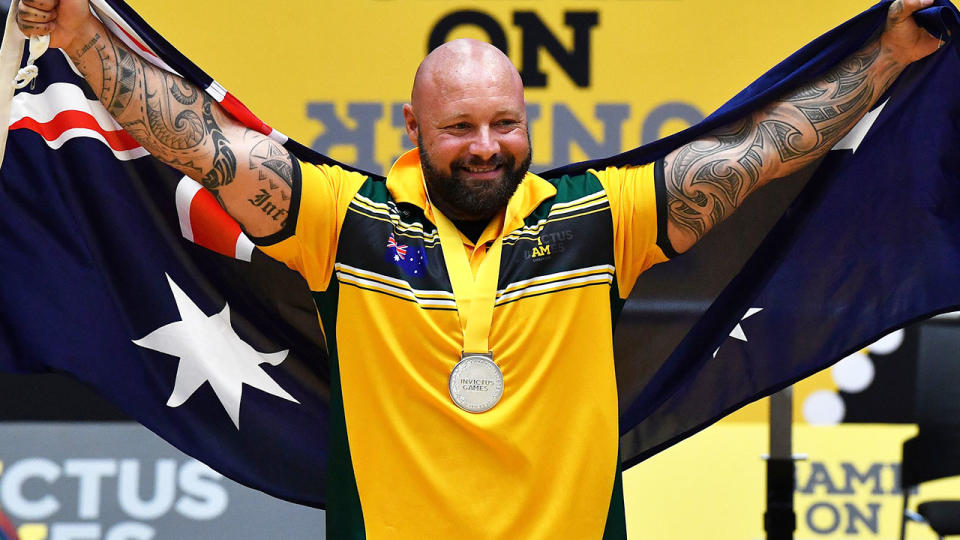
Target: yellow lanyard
x=475 y=297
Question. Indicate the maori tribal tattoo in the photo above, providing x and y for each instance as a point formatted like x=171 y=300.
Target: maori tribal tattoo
x=224 y=162
x=184 y=127
x=709 y=178
x=267 y=158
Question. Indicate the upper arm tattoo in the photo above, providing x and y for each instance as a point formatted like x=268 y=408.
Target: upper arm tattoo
x=274 y=165
x=708 y=179
x=224 y=167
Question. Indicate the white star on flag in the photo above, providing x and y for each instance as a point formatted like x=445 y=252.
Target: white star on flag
x=211 y=351
x=853 y=138
x=737 y=332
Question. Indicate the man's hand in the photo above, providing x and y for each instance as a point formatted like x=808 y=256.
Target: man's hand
x=902 y=38
x=64 y=20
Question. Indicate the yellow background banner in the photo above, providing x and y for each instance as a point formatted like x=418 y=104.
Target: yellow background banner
x=713 y=485
x=290 y=62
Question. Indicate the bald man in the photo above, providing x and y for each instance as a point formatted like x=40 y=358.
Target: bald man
x=469 y=305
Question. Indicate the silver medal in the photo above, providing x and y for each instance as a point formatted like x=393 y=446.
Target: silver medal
x=476 y=383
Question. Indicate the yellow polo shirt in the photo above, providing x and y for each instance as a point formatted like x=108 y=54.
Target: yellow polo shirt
x=405 y=461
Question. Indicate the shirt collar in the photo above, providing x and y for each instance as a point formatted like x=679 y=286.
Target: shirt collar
x=405 y=183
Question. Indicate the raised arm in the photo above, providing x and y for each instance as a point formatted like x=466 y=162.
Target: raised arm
x=709 y=178
x=174 y=120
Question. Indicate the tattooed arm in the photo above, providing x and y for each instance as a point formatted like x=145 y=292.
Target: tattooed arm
x=709 y=178
x=250 y=174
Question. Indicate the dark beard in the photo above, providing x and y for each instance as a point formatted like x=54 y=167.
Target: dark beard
x=472 y=200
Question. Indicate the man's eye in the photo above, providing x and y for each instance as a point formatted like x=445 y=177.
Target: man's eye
x=461 y=125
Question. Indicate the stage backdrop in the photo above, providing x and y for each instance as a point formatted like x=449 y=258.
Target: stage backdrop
x=602 y=76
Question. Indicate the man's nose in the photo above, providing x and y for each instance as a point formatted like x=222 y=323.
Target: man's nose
x=485 y=145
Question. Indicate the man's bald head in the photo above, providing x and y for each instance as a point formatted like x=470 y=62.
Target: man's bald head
x=463 y=63
x=468 y=117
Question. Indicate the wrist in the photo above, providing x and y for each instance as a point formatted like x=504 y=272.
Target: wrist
x=890 y=62
x=83 y=38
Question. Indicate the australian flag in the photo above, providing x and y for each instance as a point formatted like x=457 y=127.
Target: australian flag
x=107 y=253
x=412 y=259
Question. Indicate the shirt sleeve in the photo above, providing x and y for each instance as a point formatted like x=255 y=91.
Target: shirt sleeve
x=638 y=204
x=308 y=241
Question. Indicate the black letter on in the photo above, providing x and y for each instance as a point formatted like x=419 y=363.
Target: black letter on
x=536 y=35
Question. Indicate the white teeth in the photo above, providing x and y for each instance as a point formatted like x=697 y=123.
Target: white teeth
x=480 y=169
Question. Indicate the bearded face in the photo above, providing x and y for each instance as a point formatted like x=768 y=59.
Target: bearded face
x=472 y=188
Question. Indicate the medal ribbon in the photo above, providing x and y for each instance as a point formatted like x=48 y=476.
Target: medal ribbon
x=475 y=298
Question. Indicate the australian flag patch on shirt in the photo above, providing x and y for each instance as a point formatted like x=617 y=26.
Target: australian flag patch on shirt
x=411 y=259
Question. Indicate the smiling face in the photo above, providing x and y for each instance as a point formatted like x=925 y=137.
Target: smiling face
x=468 y=117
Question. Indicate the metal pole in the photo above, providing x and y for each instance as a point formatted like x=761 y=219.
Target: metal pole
x=779 y=521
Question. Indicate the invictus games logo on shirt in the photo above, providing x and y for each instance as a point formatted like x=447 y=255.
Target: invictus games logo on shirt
x=540 y=250
x=549 y=244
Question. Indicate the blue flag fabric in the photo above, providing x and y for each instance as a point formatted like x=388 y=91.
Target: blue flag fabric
x=103 y=259
x=91 y=263
x=869 y=245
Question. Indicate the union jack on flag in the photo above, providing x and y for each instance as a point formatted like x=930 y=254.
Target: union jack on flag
x=400 y=249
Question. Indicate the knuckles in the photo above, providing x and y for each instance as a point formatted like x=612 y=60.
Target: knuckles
x=34 y=17
x=35 y=29
x=42 y=5
x=36 y=11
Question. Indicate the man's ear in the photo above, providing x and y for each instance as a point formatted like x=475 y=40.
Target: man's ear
x=410 y=123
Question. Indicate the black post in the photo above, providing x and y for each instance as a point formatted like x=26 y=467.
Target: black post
x=779 y=521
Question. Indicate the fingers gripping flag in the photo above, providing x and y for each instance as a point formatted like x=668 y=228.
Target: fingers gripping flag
x=109 y=255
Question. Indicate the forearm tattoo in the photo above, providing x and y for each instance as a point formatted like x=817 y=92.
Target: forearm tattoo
x=182 y=126
x=709 y=178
